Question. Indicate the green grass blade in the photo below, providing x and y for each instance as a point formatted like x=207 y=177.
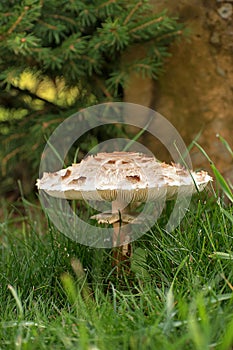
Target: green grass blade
x=222 y=255
x=69 y=287
x=222 y=182
x=17 y=300
x=227 y=340
x=226 y=144
x=76 y=155
x=136 y=137
x=202 y=151
x=56 y=153
x=220 y=179
x=227 y=214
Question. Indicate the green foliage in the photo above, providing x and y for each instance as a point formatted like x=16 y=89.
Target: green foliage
x=77 y=39
x=70 y=44
x=58 y=294
x=226 y=187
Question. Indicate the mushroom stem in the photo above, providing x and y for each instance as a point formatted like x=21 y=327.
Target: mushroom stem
x=121 y=233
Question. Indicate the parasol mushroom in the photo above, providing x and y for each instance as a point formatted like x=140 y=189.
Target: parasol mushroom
x=122 y=178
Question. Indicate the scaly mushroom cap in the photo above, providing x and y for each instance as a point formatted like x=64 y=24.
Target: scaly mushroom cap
x=128 y=175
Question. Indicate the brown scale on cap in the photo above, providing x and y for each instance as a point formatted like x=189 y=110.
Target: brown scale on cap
x=133 y=178
x=67 y=174
x=132 y=174
x=81 y=179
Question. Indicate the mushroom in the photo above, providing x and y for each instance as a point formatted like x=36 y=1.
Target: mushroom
x=122 y=178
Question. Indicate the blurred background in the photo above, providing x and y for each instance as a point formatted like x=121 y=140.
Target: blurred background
x=196 y=90
x=59 y=57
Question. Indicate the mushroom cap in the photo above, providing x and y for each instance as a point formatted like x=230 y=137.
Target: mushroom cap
x=127 y=176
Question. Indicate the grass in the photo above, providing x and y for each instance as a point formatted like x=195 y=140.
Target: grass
x=57 y=294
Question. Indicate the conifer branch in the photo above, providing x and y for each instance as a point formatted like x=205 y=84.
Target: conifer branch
x=142 y=65
x=13 y=137
x=8 y=157
x=132 y=12
x=46 y=124
x=168 y=35
x=67 y=19
x=147 y=24
x=50 y=26
x=7 y=14
x=101 y=85
x=35 y=96
x=107 y=3
x=83 y=44
x=19 y=19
